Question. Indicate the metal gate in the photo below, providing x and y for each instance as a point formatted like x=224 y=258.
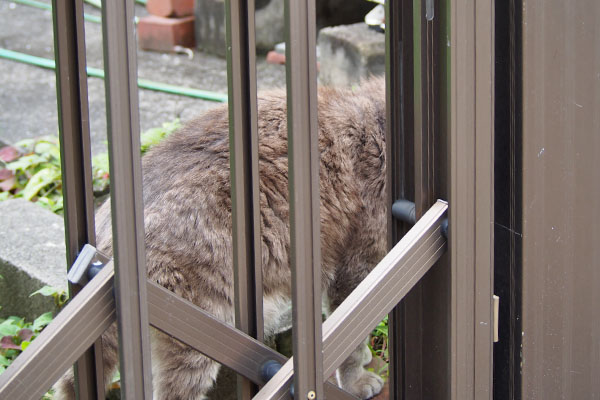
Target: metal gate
x=439 y=94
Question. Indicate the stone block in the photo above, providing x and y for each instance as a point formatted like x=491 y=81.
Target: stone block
x=32 y=255
x=163 y=34
x=270 y=26
x=210 y=25
x=350 y=53
x=170 y=8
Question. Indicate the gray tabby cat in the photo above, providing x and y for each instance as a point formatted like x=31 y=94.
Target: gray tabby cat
x=186 y=188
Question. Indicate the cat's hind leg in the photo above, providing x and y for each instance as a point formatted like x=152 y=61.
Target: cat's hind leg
x=354 y=378
x=178 y=371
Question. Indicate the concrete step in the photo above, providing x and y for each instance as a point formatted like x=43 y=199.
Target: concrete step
x=32 y=255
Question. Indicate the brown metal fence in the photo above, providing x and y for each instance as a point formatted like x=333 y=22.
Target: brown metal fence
x=440 y=348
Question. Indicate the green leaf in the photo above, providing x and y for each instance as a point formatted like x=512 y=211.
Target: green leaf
x=48 y=147
x=40 y=180
x=58 y=204
x=12 y=353
x=54 y=202
x=49 y=395
x=45 y=201
x=381 y=330
x=4 y=361
x=172 y=126
x=42 y=321
x=26 y=162
x=155 y=135
x=47 y=291
x=24 y=345
x=26 y=144
x=9 y=328
x=151 y=137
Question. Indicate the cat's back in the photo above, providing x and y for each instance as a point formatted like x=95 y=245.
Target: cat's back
x=186 y=180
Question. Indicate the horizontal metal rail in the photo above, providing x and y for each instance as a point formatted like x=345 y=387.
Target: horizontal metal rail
x=62 y=342
x=381 y=290
x=212 y=337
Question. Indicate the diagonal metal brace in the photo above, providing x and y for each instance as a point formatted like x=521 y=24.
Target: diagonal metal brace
x=216 y=339
x=92 y=311
x=382 y=289
x=62 y=342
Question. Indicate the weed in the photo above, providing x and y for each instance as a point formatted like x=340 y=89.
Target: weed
x=30 y=169
x=378 y=345
x=16 y=334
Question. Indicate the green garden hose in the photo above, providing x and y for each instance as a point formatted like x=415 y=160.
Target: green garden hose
x=48 y=7
x=98 y=73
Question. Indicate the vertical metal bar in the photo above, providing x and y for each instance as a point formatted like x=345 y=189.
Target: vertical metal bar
x=462 y=175
x=427 y=319
x=243 y=142
x=303 y=152
x=508 y=230
x=71 y=87
x=126 y=197
x=471 y=196
x=484 y=200
x=425 y=108
x=399 y=155
x=412 y=323
x=419 y=324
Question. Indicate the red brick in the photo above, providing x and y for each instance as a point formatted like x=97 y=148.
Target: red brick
x=170 y=8
x=163 y=34
x=274 y=57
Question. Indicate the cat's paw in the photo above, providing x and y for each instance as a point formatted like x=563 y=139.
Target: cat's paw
x=366 y=386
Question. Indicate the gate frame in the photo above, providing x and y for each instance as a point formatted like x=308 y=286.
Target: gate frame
x=471 y=237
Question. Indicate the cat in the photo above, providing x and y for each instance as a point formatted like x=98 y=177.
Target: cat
x=187 y=217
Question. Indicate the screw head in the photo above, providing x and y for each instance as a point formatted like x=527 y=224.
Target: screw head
x=312 y=395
